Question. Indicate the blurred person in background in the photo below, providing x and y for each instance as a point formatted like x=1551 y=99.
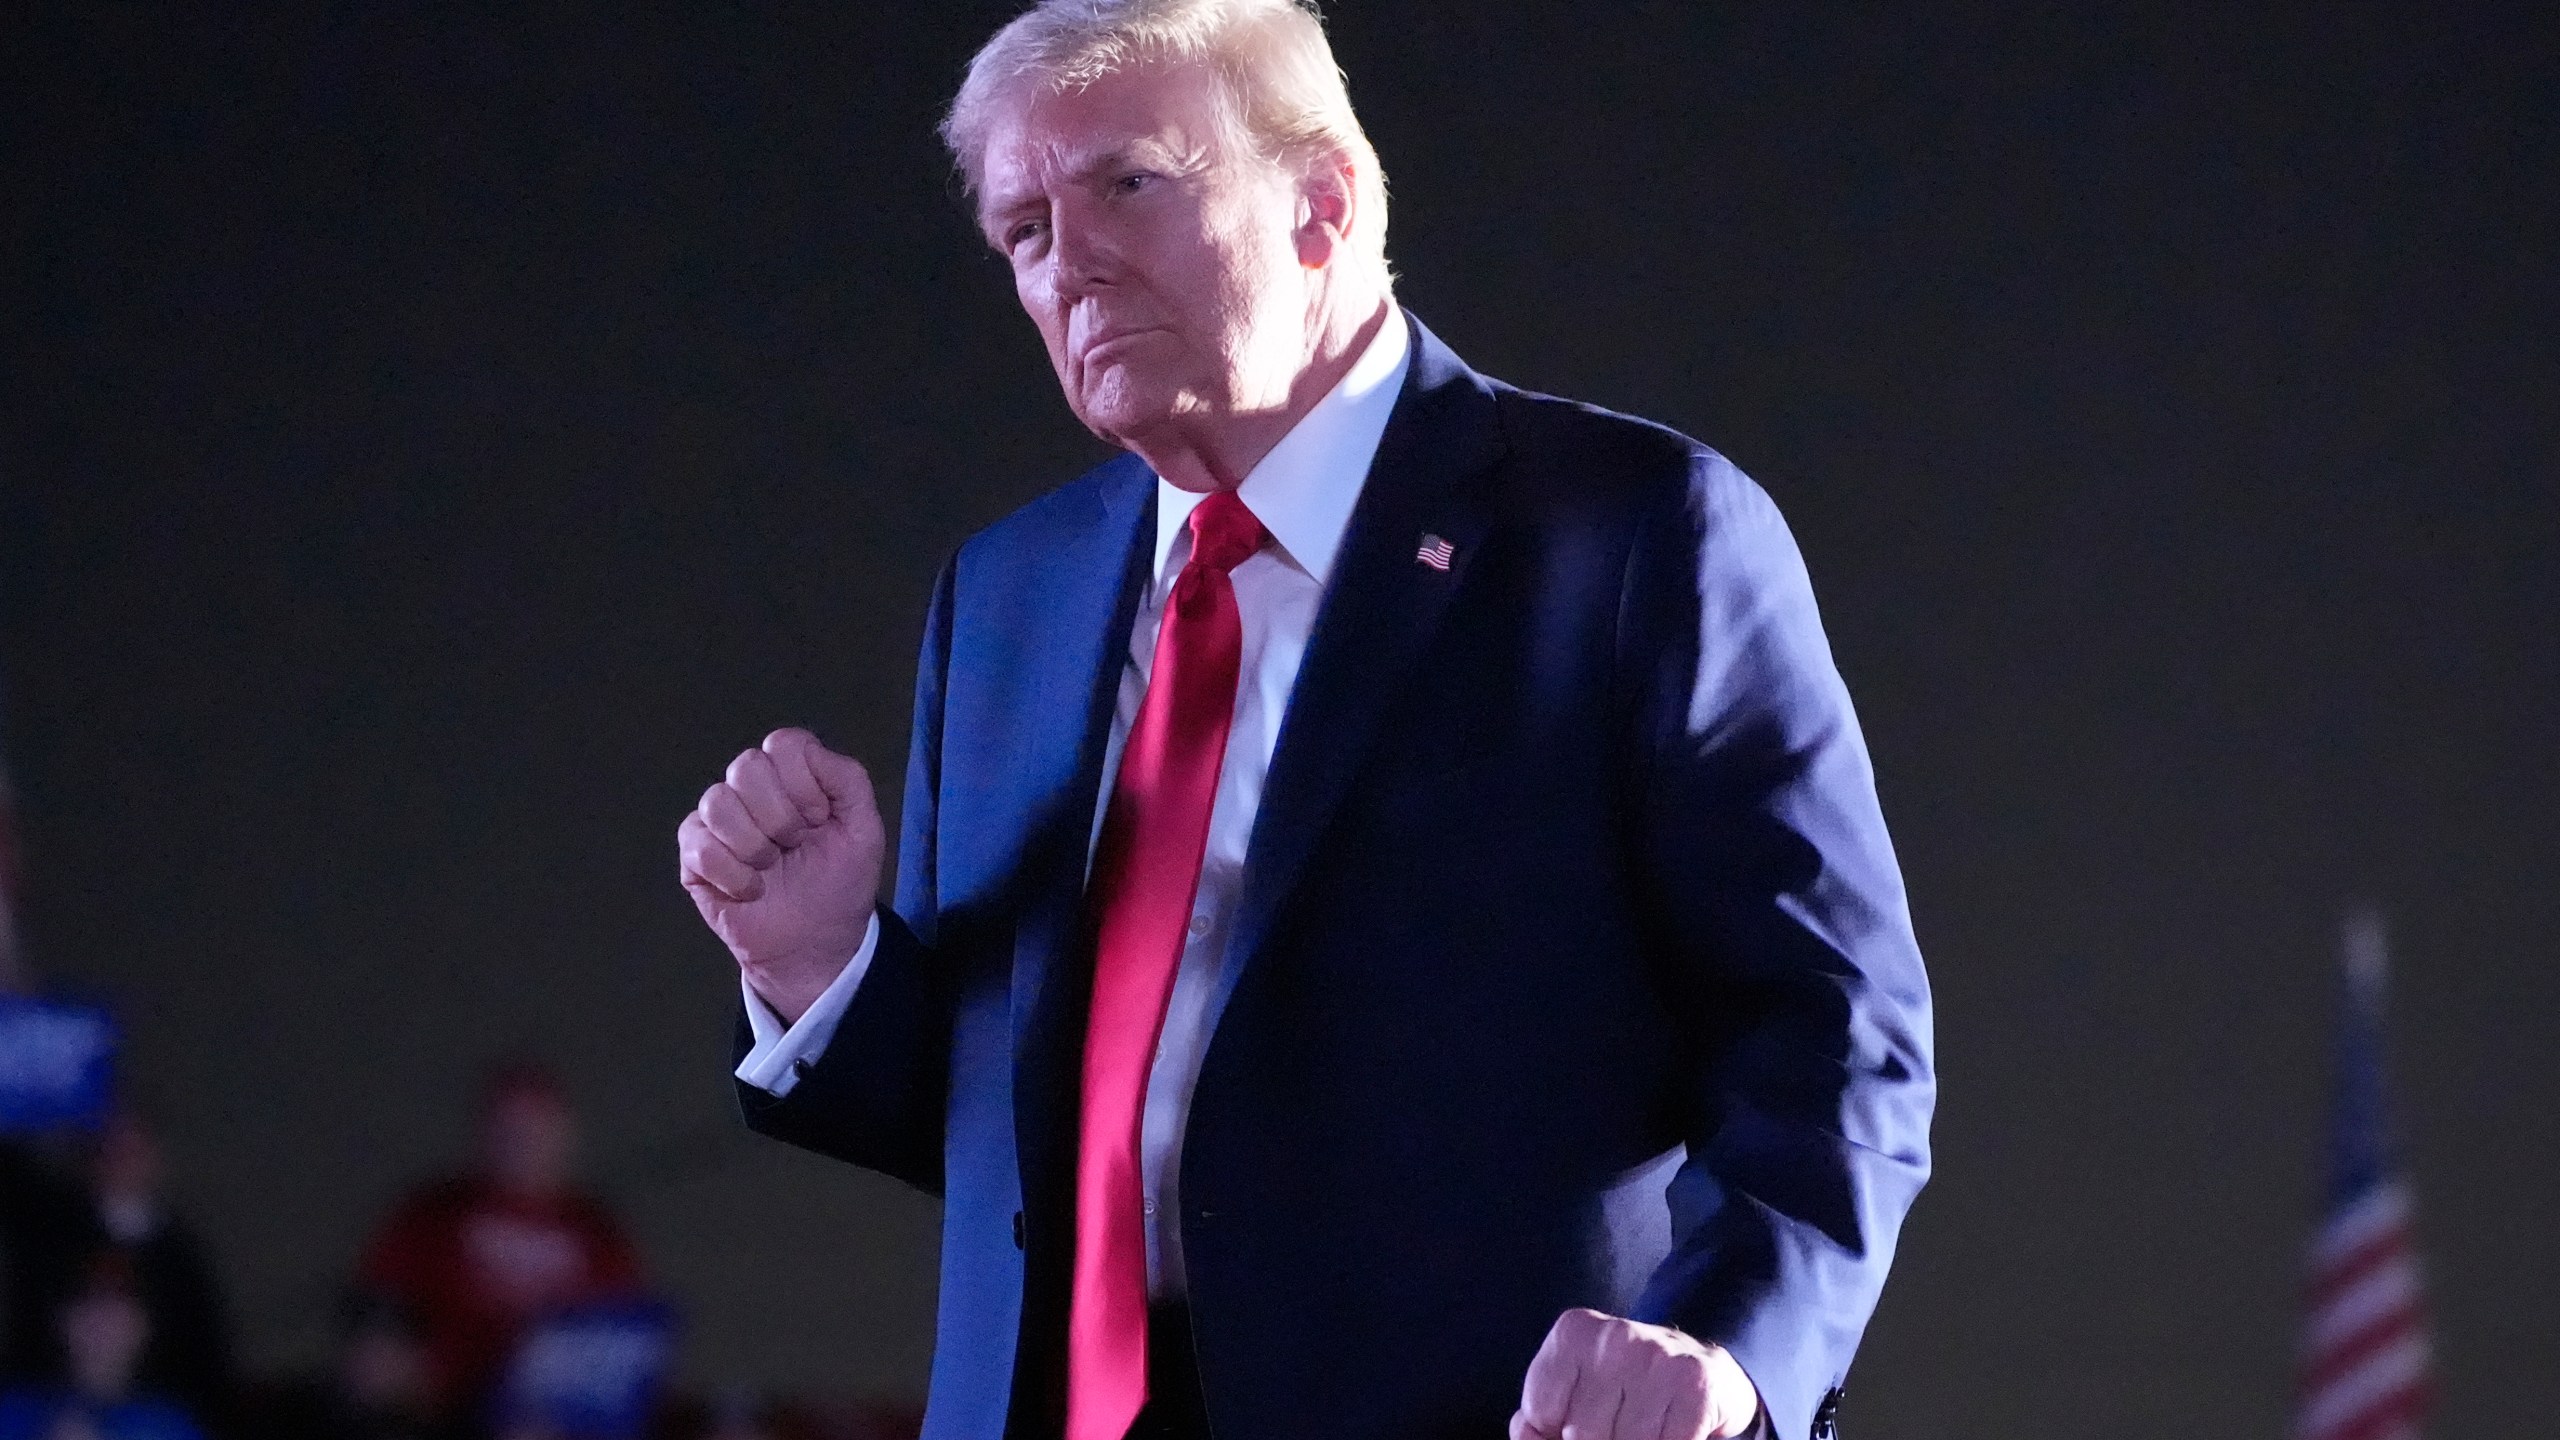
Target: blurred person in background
x=104 y=1329
x=40 y=1246
x=64 y=1215
x=377 y=1389
x=188 y=1355
x=476 y=1256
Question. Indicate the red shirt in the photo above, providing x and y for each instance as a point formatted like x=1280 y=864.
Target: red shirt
x=475 y=1262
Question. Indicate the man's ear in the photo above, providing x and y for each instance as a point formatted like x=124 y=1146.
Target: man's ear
x=1328 y=206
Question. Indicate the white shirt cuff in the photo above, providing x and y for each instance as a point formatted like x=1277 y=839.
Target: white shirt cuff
x=774 y=1062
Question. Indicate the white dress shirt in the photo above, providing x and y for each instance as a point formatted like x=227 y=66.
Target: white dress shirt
x=1302 y=492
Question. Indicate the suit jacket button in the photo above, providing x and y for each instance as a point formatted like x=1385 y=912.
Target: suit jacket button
x=1017 y=1230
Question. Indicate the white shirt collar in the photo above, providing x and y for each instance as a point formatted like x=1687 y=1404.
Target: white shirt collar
x=1303 y=490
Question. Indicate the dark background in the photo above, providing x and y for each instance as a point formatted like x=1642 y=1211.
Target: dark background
x=433 y=445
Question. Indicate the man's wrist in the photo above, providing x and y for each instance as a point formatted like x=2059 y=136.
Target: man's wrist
x=791 y=986
x=789 y=991
x=783 y=1051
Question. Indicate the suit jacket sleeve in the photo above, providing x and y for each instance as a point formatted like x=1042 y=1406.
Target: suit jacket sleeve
x=1777 y=906
x=876 y=1096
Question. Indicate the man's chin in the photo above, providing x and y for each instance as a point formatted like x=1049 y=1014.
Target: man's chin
x=1123 y=416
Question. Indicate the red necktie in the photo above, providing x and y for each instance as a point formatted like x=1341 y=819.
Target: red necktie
x=1146 y=871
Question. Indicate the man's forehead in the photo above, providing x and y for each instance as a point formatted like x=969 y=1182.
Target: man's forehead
x=1030 y=163
x=1046 y=136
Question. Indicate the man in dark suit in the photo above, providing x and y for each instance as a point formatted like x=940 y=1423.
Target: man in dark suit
x=1394 y=930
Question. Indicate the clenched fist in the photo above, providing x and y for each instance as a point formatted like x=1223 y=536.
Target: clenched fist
x=782 y=858
x=1602 y=1378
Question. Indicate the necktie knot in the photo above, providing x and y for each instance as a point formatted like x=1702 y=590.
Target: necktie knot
x=1223 y=532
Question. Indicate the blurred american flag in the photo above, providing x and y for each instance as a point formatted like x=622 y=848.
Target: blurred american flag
x=2367 y=1372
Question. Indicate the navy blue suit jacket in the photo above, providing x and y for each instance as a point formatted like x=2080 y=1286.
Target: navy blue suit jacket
x=1568 y=857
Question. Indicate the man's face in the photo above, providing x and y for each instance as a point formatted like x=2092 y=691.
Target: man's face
x=128 y=1162
x=1161 y=268
x=103 y=1331
x=529 y=1142
x=383 y=1369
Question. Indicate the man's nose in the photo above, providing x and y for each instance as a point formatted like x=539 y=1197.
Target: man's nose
x=1080 y=255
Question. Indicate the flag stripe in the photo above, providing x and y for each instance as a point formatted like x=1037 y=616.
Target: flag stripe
x=2391 y=1288
x=2366 y=1261
x=2388 y=1415
x=2351 y=1351
x=2365 y=1385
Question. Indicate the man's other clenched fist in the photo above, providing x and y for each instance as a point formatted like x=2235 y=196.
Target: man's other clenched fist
x=1600 y=1377
x=782 y=858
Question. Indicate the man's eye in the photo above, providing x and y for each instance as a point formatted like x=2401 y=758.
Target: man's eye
x=1137 y=180
x=1027 y=230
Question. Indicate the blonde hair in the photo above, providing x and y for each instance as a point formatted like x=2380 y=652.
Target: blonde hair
x=1273 y=72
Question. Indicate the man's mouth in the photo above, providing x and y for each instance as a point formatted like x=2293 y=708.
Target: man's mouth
x=1094 y=347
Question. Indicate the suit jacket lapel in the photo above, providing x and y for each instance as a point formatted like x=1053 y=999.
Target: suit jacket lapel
x=1379 y=610
x=1077 y=630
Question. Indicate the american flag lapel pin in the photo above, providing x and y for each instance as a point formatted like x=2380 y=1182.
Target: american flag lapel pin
x=1436 y=553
